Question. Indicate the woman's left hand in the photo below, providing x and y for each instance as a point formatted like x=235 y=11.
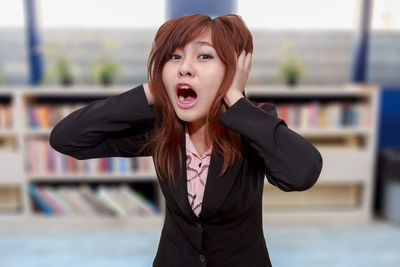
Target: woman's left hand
x=242 y=72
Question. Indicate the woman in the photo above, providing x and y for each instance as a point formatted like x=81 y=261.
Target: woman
x=211 y=146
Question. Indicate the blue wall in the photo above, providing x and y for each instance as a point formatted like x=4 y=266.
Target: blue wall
x=213 y=8
x=35 y=56
x=389 y=118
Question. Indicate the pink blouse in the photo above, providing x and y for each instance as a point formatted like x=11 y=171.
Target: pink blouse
x=197 y=169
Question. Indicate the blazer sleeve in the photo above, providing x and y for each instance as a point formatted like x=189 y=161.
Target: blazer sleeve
x=292 y=163
x=111 y=127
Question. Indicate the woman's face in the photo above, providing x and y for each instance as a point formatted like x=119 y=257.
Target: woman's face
x=199 y=66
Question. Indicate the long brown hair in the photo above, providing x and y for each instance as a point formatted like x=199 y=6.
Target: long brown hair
x=230 y=37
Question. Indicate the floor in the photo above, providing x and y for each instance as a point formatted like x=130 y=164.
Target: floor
x=376 y=244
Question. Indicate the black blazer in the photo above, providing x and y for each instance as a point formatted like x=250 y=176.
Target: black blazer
x=229 y=229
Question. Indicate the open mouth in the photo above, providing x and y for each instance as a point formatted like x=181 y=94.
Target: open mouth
x=186 y=94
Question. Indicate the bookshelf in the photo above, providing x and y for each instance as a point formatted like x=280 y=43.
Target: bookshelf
x=341 y=121
x=343 y=192
x=32 y=170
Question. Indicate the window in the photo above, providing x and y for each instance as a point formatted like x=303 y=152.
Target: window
x=304 y=14
x=101 y=13
x=11 y=14
x=386 y=15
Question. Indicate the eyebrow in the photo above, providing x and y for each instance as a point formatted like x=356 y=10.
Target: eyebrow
x=203 y=43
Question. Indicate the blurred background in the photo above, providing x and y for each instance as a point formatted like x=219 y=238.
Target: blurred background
x=332 y=68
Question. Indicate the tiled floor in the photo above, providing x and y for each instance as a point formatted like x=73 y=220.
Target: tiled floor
x=374 y=245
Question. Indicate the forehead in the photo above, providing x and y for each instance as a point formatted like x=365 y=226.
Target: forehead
x=203 y=39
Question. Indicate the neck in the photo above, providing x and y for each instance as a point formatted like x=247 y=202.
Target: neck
x=197 y=131
x=196 y=128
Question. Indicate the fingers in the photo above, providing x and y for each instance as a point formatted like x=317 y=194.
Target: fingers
x=247 y=63
x=244 y=61
x=241 y=59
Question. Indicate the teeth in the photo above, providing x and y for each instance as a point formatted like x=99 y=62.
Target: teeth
x=182 y=99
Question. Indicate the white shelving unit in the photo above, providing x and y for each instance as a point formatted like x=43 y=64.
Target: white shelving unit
x=350 y=166
x=14 y=168
x=347 y=165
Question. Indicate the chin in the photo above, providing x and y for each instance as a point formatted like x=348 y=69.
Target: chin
x=186 y=116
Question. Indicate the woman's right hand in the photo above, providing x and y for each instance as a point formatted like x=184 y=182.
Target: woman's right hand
x=149 y=95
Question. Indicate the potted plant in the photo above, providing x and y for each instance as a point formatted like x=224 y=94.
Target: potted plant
x=292 y=71
x=61 y=70
x=64 y=72
x=58 y=63
x=105 y=72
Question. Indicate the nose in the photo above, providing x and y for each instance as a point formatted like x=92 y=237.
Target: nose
x=186 y=67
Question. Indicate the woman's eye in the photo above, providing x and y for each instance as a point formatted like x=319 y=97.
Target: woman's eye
x=206 y=55
x=202 y=56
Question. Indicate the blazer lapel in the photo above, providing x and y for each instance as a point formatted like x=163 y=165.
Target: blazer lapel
x=216 y=190
x=217 y=187
x=179 y=191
